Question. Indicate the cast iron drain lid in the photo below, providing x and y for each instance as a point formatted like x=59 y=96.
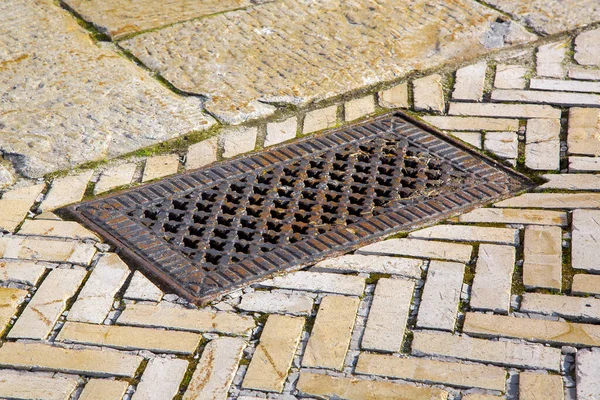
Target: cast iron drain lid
x=209 y=231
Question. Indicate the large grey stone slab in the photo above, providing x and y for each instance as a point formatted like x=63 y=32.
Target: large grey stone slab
x=296 y=52
x=551 y=16
x=85 y=103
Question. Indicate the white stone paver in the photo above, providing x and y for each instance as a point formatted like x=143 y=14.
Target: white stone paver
x=114 y=177
x=97 y=389
x=161 y=379
x=408 y=267
x=48 y=303
x=510 y=76
x=140 y=288
x=468 y=233
x=419 y=248
x=15 y=204
x=566 y=86
x=10 y=299
x=279 y=132
x=564 y=306
x=542 y=145
x=65 y=229
x=24 y=385
x=532 y=384
x=96 y=298
x=82 y=361
x=160 y=166
x=320 y=119
x=26 y=248
x=429 y=93
x=439 y=302
x=331 y=333
x=276 y=303
x=520 y=355
x=588 y=374
x=586 y=284
x=502 y=144
x=515 y=216
x=470 y=82
x=184 y=319
x=584 y=131
x=273 y=357
x=388 y=315
x=585 y=251
x=238 y=141
x=216 y=369
x=493 y=278
x=66 y=190
x=358 y=108
x=201 y=153
x=455 y=123
x=546 y=97
x=542 y=266
x=576 y=72
x=584 y=164
x=472 y=138
x=550 y=58
x=317 y=282
x=572 y=182
x=553 y=200
x=587 y=49
x=25 y=272
x=395 y=97
x=504 y=110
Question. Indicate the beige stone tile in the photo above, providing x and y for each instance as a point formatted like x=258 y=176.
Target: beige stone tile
x=318 y=282
x=583 y=136
x=216 y=369
x=429 y=93
x=279 y=132
x=186 y=319
x=510 y=76
x=47 y=304
x=565 y=306
x=358 y=108
x=515 y=216
x=468 y=233
x=472 y=138
x=549 y=59
x=97 y=296
x=388 y=315
x=545 y=97
x=519 y=355
x=161 y=379
x=320 y=119
x=454 y=123
x=84 y=362
x=477 y=396
x=26 y=248
x=491 y=289
x=15 y=204
x=441 y=295
x=276 y=303
x=363 y=389
x=420 y=249
x=557 y=332
x=425 y=370
x=395 y=97
x=238 y=140
x=48 y=215
x=571 y=182
x=140 y=288
x=565 y=86
x=114 y=177
x=469 y=82
x=584 y=164
x=585 y=232
x=504 y=110
x=586 y=284
x=66 y=190
x=273 y=357
x=130 y=338
x=542 y=144
x=542 y=253
x=24 y=385
x=553 y=200
x=201 y=154
x=587 y=374
x=587 y=50
x=103 y=389
x=26 y=272
x=9 y=301
x=160 y=166
x=63 y=229
x=408 y=267
x=533 y=386
x=576 y=72
x=330 y=336
x=503 y=144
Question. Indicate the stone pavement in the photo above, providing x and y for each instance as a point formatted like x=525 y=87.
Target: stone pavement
x=502 y=302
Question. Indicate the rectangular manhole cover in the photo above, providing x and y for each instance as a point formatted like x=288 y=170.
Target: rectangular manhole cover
x=209 y=231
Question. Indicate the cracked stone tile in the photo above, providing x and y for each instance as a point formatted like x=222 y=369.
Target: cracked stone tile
x=472 y=138
x=161 y=379
x=571 y=182
x=550 y=58
x=67 y=190
x=542 y=145
x=276 y=303
x=470 y=82
x=515 y=216
x=238 y=141
x=26 y=272
x=313 y=61
x=140 y=288
x=6 y=177
x=26 y=385
x=51 y=228
x=10 y=299
x=542 y=253
x=160 y=166
x=502 y=144
x=492 y=285
x=588 y=374
x=318 y=282
x=15 y=204
x=358 y=108
x=429 y=93
x=27 y=248
x=585 y=252
x=96 y=389
x=201 y=154
x=114 y=177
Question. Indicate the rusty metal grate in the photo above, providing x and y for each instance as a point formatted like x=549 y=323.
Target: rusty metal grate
x=209 y=231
